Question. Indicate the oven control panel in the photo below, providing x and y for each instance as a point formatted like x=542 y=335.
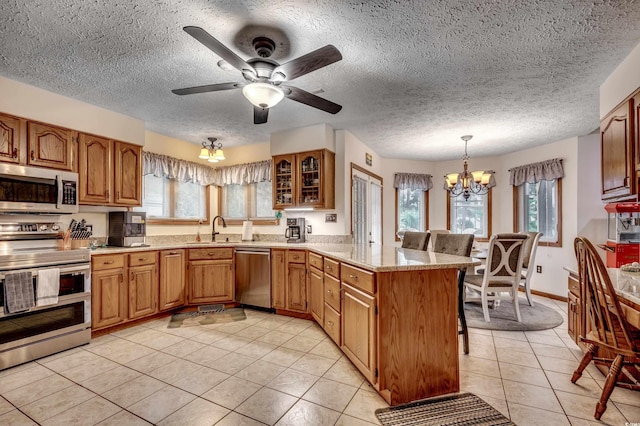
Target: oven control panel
x=29 y=229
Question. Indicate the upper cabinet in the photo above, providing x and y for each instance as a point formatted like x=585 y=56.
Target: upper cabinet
x=10 y=129
x=617 y=145
x=305 y=179
x=110 y=172
x=50 y=146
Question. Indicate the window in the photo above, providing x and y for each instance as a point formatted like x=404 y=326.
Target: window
x=366 y=206
x=472 y=216
x=538 y=209
x=168 y=200
x=247 y=202
x=412 y=210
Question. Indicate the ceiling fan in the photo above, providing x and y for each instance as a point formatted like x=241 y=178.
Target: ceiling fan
x=264 y=77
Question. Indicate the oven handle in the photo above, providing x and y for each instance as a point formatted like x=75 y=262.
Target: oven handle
x=60 y=190
x=63 y=271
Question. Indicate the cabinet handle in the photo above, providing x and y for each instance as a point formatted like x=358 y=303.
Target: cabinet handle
x=33 y=155
x=328 y=268
x=173 y=253
x=211 y=254
x=355 y=277
x=330 y=323
x=131 y=277
x=142 y=258
x=118 y=194
x=330 y=292
x=107 y=262
x=15 y=153
x=107 y=193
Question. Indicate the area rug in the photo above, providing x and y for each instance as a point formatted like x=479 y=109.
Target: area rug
x=208 y=314
x=538 y=317
x=459 y=409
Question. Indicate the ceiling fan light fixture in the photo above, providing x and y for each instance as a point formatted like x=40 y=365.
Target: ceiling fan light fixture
x=263 y=95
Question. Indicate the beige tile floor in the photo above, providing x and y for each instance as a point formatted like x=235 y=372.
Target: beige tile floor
x=272 y=369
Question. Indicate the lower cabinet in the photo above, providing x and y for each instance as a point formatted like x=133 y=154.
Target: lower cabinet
x=108 y=297
x=359 y=330
x=316 y=295
x=173 y=279
x=289 y=280
x=143 y=291
x=574 y=325
x=211 y=275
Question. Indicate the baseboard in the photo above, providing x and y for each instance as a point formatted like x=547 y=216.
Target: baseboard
x=549 y=295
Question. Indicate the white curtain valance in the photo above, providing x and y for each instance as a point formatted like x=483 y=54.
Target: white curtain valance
x=412 y=181
x=535 y=172
x=243 y=173
x=173 y=168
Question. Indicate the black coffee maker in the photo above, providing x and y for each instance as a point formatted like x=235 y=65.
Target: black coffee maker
x=296 y=231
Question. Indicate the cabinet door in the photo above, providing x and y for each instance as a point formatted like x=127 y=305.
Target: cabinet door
x=50 y=146
x=108 y=298
x=617 y=153
x=636 y=135
x=278 y=278
x=359 y=330
x=143 y=291
x=128 y=174
x=9 y=139
x=172 y=279
x=211 y=281
x=316 y=295
x=310 y=192
x=297 y=287
x=284 y=183
x=95 y=169
x=573 y=318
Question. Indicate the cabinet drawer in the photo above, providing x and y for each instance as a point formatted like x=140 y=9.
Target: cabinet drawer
x=142 y=258
x=107 y=261
x=211 y=253
x=359 y=278
x=296 y=256
x=332 y=268
x=332 y=323
x=332 y=292
x=315 y=260
x=574 y=286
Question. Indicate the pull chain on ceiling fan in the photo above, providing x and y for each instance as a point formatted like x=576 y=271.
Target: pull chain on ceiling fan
x=264 y=77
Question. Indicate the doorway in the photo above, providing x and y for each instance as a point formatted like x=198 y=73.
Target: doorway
x=366 y=206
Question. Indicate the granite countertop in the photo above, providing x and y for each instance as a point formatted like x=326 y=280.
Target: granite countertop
x=377 y=258
x=626 y=285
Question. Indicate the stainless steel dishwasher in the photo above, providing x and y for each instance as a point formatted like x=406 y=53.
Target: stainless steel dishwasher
x=253 y=277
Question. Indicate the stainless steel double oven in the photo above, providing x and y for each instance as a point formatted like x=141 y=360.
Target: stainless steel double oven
x=43 y=330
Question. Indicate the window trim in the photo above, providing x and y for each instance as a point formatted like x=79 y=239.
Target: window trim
x=516 y=215
x=489 y=213
x=426 y=212
x=177 y=221
x=234 y=221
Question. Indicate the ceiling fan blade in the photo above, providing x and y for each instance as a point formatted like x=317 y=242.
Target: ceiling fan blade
x=305 y=64
x=219 y=49
x=310 y=99
x=260 y=115
x=207 y=88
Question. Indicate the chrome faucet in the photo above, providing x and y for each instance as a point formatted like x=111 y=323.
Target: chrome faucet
x=213 y=223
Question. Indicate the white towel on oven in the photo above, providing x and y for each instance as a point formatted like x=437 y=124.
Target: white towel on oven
x=48 y=286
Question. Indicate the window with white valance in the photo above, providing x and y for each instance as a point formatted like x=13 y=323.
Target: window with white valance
x=537 y=199
x=412 y=201
x=243 y=173
x=163 y=166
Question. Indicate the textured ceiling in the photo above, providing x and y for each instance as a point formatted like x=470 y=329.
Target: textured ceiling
x=415 y=75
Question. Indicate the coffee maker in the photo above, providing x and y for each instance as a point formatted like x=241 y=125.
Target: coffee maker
x=296 y=231
x=127 y=229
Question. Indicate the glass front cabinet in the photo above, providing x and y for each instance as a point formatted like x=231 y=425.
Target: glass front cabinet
x=305 y=179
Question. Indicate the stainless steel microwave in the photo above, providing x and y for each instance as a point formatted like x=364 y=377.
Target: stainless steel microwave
x=27 y=189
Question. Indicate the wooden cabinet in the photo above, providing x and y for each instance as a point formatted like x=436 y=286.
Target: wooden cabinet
x=110 y=172
x=316 y=288
x=289 y=280
x=143 y=284
x=172 y=279
x=211 y=275
x=305 y=179
x=574 y=313
x=635 y=99
x=96 y=169
x=617 y=149
x=108 y=291
x=50 y=146
x=359 y=330
x=10 y=138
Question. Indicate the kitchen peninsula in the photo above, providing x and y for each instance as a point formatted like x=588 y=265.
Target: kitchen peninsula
x=392 y=311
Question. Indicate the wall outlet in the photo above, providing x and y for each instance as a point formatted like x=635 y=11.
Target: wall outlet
x=539 y=269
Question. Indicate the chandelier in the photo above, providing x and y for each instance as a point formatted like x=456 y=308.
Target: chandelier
x=211 y=151
x=466 y=183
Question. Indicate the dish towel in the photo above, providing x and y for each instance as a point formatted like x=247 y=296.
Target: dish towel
x=18 y=292
x=48 y=286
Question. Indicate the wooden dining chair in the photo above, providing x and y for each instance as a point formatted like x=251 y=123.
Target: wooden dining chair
x=415 y=240
x=502 y=273
x=460 y=245
x=607 y=325
x=529 y=263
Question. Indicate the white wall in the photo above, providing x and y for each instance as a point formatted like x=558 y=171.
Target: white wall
x=33 y=103
x=622 y=82
x=319 y=136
